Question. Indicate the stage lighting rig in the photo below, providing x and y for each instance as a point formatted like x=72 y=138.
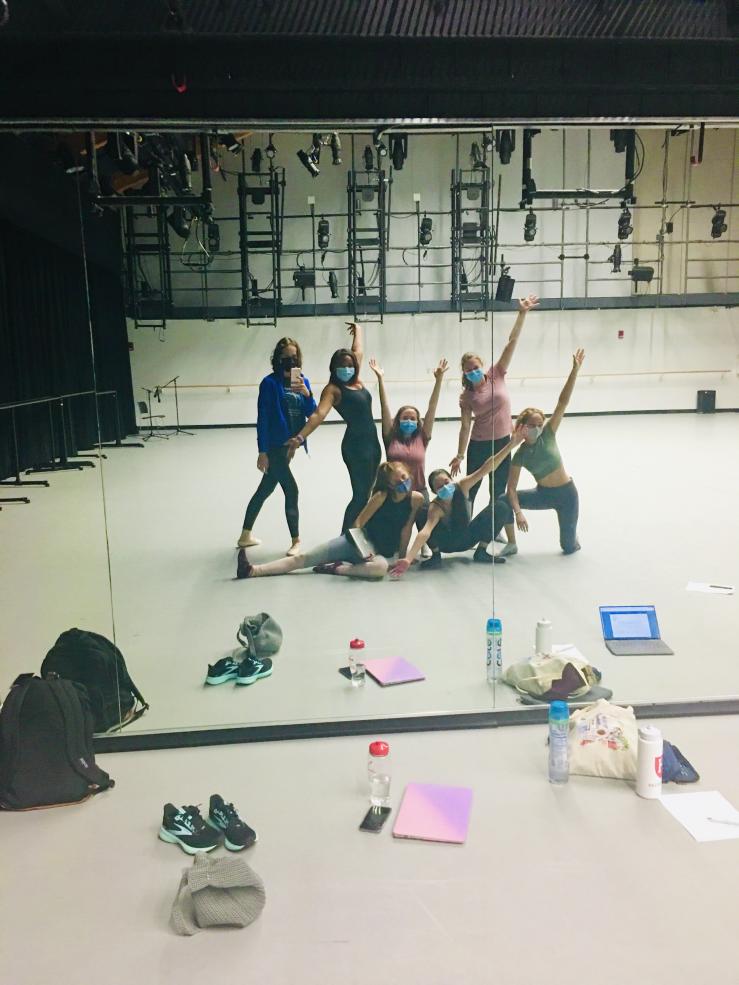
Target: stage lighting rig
x=304 y=279
x=379 y=145
x=615 y=260
x=718 y=223
x=335 y=145
x=333 y=284
x=487 y=142
x=256 y=161
x=369 y=159
x=324 y=232
x=398 y=150
x=505 y=144
x=476 y=156
x=425 y=232
x=310 y=159
x=640 y=274
x=504 y=290
x=529 y=227
x=270 y=150
x=625 y=229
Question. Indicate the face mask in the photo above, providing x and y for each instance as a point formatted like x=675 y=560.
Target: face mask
x=475 y=376
x=407 y=428
x=404 y=486
x=289 y=362
x=446 y=492
x=345 y=373
x=533 y=433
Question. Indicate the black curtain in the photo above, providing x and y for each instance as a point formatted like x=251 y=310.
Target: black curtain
x=46 y=350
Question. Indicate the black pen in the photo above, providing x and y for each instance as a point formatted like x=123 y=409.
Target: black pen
x=729 y=588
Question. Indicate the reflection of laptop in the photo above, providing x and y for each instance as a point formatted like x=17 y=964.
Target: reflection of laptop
x=433 y=813
x=631 y=630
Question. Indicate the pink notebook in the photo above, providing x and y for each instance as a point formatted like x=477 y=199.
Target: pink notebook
x=433 y=813
x=393 y=670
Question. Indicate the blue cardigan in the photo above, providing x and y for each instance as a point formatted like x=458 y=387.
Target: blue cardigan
x=272 y=425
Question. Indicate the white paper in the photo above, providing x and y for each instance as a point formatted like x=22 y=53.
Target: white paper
x=693 y=811
x=568 y=650
x=704 y=586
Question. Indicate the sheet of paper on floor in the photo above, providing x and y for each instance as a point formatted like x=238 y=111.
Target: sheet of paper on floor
x=707 y=815
x=704 y=586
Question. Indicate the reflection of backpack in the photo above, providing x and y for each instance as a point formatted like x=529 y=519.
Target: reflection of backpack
x=46 y=756
x=260 y=635
x=93 y=661
x=552 y=677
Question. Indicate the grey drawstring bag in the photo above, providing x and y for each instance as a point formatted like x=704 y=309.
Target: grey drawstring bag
x=216 y=892
x=260 y=635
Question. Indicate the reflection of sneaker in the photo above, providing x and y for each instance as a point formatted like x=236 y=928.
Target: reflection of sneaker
x=224 y=817
x=225 y=669
x=425 y=552
x=500 y=539
x=433 y=563
x=508 y=551
x=481 y=556
x=243 y=567
x=330 y=568
x=251 y=670
x=185 y=827
x=247 y=539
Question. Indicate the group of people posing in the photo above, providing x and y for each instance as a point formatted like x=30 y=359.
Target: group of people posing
x=393 y=499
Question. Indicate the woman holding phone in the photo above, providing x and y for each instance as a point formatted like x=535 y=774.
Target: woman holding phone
x=285 y=402
x=360 y=447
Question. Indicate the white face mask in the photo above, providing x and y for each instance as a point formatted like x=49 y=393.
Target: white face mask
x=533 y=432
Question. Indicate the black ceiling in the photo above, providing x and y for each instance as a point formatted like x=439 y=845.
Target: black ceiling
x=310 y=60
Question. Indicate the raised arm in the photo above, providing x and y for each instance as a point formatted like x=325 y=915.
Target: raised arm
x=524 y=307
x=464 y=436
x=401 y=566
x=564 y=398
x=492 y=463
x=373 y=504
x=387 y=419
x=428 y=421
x=513 y=476
x=357 y=335
x=327 y=401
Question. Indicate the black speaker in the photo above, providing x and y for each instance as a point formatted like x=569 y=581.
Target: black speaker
x=705 y=402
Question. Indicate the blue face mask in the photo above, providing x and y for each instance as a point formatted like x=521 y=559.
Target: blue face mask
x=407 y=428
x=446 y=492
x=345 y=373
x=475 y=376
x=404 y=486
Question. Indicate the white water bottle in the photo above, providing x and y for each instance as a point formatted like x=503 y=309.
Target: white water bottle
x=649 y=762
x=544 y=637
x=494 y=649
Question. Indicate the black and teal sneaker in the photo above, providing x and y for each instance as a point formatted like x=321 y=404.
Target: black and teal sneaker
x=237 y=834
x=251 y=670
x=184 y=826
x=225 y=669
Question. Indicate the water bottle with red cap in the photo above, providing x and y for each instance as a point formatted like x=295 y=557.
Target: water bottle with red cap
x=378 y=770
x=356 y=662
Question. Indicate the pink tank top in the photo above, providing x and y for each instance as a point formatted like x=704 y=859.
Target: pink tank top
x=412 y=454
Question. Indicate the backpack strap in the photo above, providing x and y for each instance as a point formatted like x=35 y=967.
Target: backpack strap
x=77 y=725
x=248 y=643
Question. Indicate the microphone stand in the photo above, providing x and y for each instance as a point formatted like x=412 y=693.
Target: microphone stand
x=178 y=429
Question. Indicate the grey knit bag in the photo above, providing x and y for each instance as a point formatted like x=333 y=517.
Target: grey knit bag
x=261 y=635
x=217 y=892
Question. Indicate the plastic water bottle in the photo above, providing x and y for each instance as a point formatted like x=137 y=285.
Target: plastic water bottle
x=378 y=771
x=559 y=727
x=356 y=664
x=494 y=649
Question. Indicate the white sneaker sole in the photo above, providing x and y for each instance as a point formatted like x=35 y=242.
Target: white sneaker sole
x=171 y=839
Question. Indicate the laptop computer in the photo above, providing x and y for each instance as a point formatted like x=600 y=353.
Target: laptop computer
x=434 y=813
x=632 y=630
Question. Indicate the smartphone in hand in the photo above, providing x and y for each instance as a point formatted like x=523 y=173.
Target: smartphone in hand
x=296 y=376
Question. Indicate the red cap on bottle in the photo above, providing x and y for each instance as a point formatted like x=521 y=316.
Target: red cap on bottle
x=356 y=645
x=379 y=748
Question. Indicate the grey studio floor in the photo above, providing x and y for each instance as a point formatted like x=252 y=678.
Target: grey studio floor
x=584 y=881
x=658 y=508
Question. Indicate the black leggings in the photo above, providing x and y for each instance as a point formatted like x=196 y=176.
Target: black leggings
x=278 y=472
x=479 y=452
x=361 y=456
x=563 y=499
x=479 y=531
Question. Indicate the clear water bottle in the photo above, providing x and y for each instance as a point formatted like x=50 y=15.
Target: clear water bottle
x=559 y=727
x=356 y=663
x=494 y=649
x=378 y=771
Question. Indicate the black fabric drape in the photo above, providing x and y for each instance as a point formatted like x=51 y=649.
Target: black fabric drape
x=46 y=349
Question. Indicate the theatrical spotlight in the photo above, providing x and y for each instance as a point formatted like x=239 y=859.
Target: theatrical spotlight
x=309 y=160
x=303 y=279
x=270 y=150
x=380 y=147
x=324 y=232
x=256 y=161
x=333 y=284
x=505 y=144
x=369 y=158
x=625 y=229
x=615 y=260
x=398 y=150
x=476 y=155
x=424 y=235
x=504 y=290
x=335 y=145
x=529 y=227
x=214 y=237
x=487 y=142
x=180 y=221
x=718 y=222
x=640 y=274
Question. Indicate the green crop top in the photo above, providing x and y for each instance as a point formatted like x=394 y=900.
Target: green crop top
x=542 y=458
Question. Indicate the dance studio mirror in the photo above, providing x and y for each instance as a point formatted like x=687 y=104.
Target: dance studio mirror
x=54 y=364
x=615 y=244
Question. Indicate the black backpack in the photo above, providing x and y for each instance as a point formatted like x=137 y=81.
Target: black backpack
x=46 y=756
x=93 y=661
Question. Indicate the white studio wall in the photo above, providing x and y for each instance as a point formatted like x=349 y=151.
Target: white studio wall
x=664 y=356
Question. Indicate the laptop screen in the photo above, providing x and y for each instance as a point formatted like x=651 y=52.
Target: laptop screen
x=629 y=622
